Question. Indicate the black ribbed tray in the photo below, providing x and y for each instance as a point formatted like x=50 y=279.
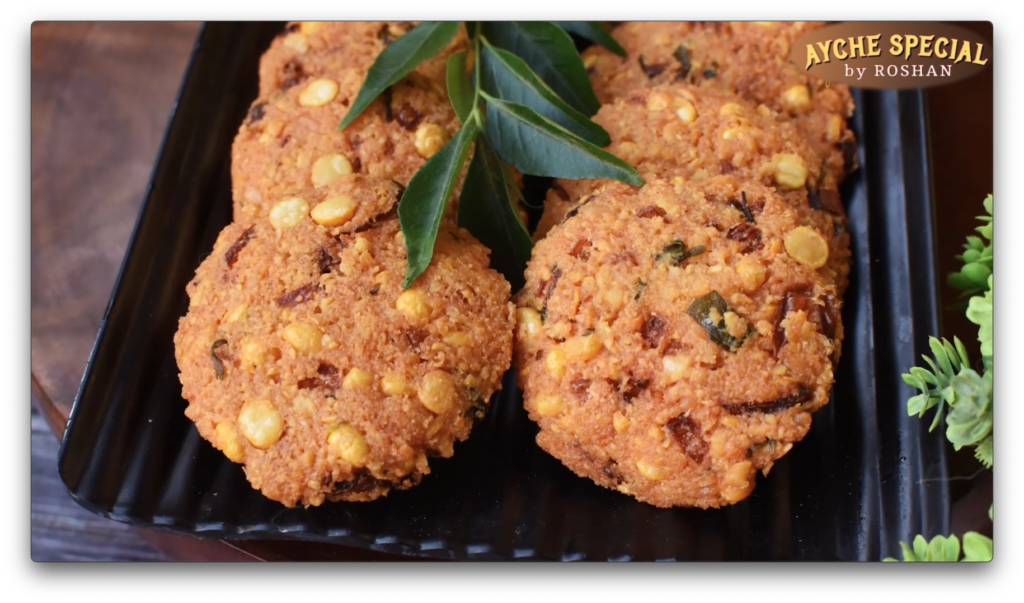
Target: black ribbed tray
x=864 y=478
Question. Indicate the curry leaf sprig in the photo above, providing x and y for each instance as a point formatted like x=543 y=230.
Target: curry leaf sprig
x=950 y=381
x=525 y=101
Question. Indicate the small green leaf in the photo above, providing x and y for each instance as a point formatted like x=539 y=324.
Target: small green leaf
x=683 y=56
x=922 y=376
x=424 y=200
x=513 y=186
x=977 y=548
x=918 y=404
x=935 y=421
x=913 y=381
x=977 y=258
x=983 y=452
x=976 y=273
x=940 y=349
x=939 y=375
x=979 y=311
x=398 y=59
x=709 y=312
x=908 y=553
x=985 y=229
x=486 y=210
x=460 y=89
x=961 y=351
x=920 y=548
x=935 y=382
x=550 y=52
x=536 y=145
x=218 y=366
x=950 y=549
x=675 y=252
x=958 y=281
x=508 y=77
x=970 y=419
x=945 y=549
x=593 y=31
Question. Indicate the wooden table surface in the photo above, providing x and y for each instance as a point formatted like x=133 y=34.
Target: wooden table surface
x=101 y=97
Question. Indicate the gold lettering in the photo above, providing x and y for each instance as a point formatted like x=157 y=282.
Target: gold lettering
x=824 y=46
x=873 y=49
x=952 y=49
x=926 y=46
x=897 y=45
x=812 y=57
x=939 y=52
x=977 y=55
x=857 y=48
x=965 y=52
x=912 y=42
x=839 y=54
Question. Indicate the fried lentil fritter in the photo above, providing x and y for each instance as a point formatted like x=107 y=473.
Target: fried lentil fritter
x=290 y=138
x=670 y=345
x=749 y=59
x=681 y=133
x=313 y=49
x=303 y=359
x=292 y=146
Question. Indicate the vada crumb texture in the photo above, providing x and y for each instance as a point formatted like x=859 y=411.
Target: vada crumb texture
x=303 y=359
x=670 y=346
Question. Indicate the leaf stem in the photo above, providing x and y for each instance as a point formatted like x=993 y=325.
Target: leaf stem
x=475 y=113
